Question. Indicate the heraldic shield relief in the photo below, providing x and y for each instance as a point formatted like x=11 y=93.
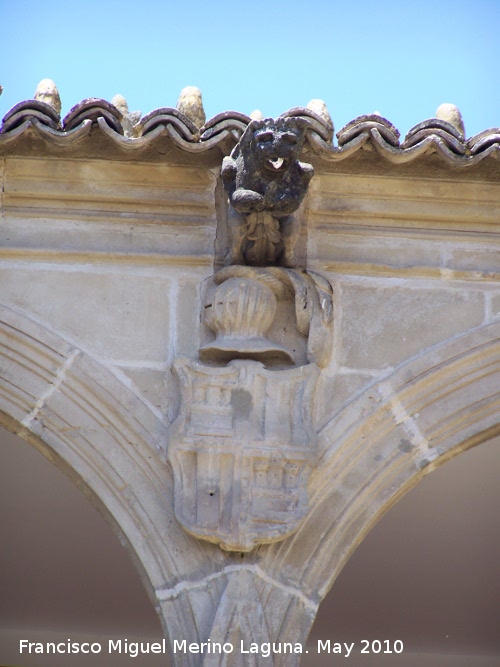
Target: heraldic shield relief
x=241 y=450
x=243 y=445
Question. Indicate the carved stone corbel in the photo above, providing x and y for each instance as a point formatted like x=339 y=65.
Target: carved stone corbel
x=245 y=303
x=266 y=182
x=243 y=445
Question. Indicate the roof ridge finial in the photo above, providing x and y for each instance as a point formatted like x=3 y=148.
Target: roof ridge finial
x=319 y=107
x=47 y=92
x=451 y=114
x=190 y=103
x=129 y=118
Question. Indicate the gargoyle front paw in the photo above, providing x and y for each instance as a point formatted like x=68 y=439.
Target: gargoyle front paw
x=247 y=201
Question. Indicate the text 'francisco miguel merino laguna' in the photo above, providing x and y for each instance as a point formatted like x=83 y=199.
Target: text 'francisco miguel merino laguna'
x=133 y=649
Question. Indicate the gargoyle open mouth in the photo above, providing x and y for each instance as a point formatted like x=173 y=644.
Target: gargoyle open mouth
x=276 y=164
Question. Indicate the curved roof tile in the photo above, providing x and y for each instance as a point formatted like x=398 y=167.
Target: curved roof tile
x=227 y=121
x=484 y=140
x=23 y=111
x=168 y=116
x=315 y=122
x=92 y=109
x=363 y=124
x=449 y=134
x=224 y=130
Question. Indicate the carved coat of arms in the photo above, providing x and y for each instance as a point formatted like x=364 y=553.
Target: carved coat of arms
x=241 y=447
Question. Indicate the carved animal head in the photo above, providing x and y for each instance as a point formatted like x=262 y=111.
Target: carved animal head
x=263 y=171
x=266 y=183
x=274 y=144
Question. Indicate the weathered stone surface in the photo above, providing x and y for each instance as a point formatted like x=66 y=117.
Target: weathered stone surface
x=85 y=419
x=478 y=259
x=240 y=313
x=340 y=388
x=382 y=326
x=129 y=119
x=244 y=303
x=110 y=254
x=155 y=385
x=187 y=322
x=268 y=153
x=28 y=369
x=191 y=104
x=241 y=451
x=47 y=92
x=372 y=434
x=110 y=209
x=133 y=315
x=242 y=446
x=239 y=605
x=495 y=305
x=451 y=114
x=266 y=183
x=319 y=107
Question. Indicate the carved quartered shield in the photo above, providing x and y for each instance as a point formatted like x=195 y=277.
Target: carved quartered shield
x=241 y=451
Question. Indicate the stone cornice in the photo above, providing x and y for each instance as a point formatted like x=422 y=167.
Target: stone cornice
x=95 y=128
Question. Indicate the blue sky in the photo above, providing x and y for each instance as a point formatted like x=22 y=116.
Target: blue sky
x=402 y=59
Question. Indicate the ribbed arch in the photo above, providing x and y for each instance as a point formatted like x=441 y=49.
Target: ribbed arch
x=89 y=422
x=87 y=419
x=382 y=443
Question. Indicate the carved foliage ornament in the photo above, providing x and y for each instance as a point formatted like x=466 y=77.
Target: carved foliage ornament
x=243 y=444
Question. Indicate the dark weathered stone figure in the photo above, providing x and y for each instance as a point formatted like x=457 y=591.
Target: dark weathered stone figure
x=266 y=183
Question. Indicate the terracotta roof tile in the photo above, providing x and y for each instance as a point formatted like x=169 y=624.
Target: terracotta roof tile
x=316 y=123
x=483 y=141
x=34 y=109
x=92 y=109
x=168 y=116
x=434 y=127
x=363 y=124
x=435 y=135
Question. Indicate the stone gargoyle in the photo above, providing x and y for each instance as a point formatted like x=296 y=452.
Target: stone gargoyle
x=266 y=182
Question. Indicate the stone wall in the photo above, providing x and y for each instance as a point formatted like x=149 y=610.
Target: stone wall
x=102 y=270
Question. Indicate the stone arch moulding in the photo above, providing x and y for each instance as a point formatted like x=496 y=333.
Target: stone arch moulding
x=87 y=421
x=380 y=445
